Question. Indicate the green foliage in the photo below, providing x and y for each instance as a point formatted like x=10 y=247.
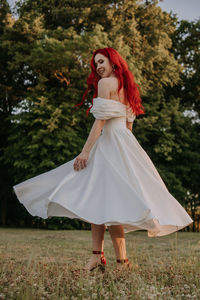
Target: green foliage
x=141 y=32
x=186 y=45
x=45 y=56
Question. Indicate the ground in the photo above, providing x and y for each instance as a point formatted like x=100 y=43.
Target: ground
x=42 y=264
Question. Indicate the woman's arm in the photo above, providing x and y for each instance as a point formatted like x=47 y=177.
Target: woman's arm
x=93 y=135
x=81 y=160
x=95 y=132
x=129 y=125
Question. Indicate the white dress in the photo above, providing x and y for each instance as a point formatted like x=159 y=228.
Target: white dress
x=120 y=184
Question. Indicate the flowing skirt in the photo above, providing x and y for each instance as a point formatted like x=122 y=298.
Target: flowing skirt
x=120 y=185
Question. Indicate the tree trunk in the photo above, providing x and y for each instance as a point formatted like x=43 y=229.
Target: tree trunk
x=3 y=211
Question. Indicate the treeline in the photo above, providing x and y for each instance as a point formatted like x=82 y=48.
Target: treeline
x=44 y=57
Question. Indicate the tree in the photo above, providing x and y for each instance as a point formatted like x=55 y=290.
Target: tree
x=50 y=46
x=186 y=164
x=7 y=100
x=81 y=15
x=186 y=48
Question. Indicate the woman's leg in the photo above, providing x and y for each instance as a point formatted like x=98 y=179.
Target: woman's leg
x=98 y=236
x=97 y=244
x=118 y=239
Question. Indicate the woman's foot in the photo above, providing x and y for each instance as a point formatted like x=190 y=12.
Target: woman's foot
x=96 y=260
x=124 y=264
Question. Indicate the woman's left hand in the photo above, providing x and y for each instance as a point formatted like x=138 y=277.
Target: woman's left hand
x=81 y=161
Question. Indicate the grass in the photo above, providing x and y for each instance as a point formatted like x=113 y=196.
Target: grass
x=39 y=264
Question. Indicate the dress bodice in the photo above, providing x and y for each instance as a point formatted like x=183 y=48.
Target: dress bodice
x=104 y=109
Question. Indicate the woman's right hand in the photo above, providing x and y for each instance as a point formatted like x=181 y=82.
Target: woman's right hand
x=81 y=161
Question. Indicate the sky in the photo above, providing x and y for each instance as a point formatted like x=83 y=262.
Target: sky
x=185 y=9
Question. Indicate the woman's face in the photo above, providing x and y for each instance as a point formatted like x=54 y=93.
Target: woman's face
x=103 y=66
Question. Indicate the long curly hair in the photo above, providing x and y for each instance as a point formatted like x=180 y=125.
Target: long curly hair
x=124 y=76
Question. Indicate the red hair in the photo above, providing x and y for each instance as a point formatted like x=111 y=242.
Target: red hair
x=124 y=76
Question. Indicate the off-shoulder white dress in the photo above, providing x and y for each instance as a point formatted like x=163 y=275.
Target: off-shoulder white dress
x=120 y=184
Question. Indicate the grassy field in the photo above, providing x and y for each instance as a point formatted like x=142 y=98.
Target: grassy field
x=39 y=264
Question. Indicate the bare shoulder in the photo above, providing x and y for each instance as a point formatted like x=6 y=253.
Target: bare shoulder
x=104 y=88
x=112 y=81
x=107 y=81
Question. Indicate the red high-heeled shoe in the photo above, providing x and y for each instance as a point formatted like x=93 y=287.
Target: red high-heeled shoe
x=102 y=264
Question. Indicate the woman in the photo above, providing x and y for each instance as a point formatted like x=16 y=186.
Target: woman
x=112 y=182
